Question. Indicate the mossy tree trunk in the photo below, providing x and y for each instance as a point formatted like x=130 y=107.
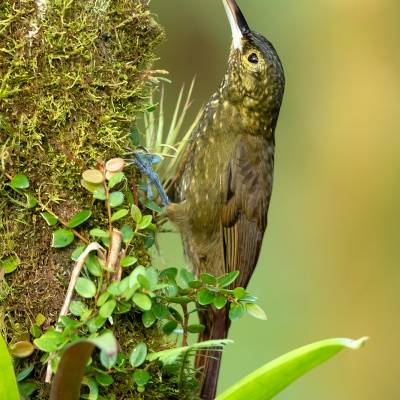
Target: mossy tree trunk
x=73 y=76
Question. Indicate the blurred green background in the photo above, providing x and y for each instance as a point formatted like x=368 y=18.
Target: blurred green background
x=330 y=260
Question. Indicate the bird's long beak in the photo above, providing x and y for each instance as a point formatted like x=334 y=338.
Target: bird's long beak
x=237 y=21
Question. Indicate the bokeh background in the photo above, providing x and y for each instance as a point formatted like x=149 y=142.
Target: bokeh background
x=331 y=256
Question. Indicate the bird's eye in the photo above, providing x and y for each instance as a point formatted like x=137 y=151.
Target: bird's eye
x=253 y=58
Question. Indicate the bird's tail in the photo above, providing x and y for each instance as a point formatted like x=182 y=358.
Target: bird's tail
x=208 y=362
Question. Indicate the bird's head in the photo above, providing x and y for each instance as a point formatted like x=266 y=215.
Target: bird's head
x=255 y=76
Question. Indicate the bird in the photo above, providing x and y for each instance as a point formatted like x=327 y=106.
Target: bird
x=223 y=187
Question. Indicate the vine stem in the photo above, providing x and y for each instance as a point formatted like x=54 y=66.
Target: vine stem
x=185 y=325
x=70 y=291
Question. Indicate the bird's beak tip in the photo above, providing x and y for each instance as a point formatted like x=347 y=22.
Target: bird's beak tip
x=237 y=22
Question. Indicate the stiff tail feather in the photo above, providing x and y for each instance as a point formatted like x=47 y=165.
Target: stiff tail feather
x=217 y=324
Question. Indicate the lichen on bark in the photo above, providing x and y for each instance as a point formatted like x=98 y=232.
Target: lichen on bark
x=72 y=79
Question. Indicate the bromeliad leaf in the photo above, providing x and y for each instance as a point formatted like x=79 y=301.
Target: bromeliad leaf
x=79 y=218
x=62 y=238
x=8 y=384
x=268 y=381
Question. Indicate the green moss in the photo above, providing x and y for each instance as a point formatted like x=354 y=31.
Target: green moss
x=68 y=95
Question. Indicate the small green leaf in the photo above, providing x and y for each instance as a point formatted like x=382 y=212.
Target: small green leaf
x=91 y=187
x=35 y=331
x=119 y=215
x=95 y=324
x=114 y=289
x=160 y=311
x=228 y=279
x=104 y=379
x=93 y=265
x=116 y=179
x=93 y=388
x=19 y=182
x=195 y=284
x=85 y=288
x=145 y=222
x=205 y=297
x=151 y=205
x=239 y=293
x=220 y=301
x=196 y=328
x=24 y=373
x=31 y=202
x=142 y=301
x=10 y=264
x=186 y=276
x=79 y=218
x=116 y=199
x=208 y=279
x=27 y=389
x=169 y=327
x=107 y=308
x=40 y=319
x=62 y=238
x=22 y=349
x=128 y=261
x=127 y=233
x=93 y=176
x=99 y=233
x=169 y=273
x=138 y=355
x=103 y=298
x=236 y=311
x=76 y=308
x=148 y=319
x=49 y=341
x=256 y=311
x=136 y=213
x=77 y=253
x=50 y=219
x=141 y=377
x=144 y=282
x=100 y=194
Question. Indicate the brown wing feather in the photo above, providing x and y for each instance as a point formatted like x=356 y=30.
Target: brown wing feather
x=248 y=187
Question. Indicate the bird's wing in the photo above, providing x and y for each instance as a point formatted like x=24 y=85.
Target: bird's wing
x=247 y=191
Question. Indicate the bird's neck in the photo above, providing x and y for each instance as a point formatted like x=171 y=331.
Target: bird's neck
x=245 y=116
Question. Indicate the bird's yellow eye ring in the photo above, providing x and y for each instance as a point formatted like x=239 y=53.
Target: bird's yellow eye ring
x=253 y=58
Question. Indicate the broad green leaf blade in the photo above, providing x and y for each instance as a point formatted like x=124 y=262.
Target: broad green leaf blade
x=19 y=182
x=67 y=381
x=271 y=379
x=62 y=238
x=8 y=383
x=79 y=218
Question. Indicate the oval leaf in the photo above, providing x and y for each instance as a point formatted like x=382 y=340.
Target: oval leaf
x=136 y=213
x=116 y=199
x=148 y=319
x=256 y=311
x=128 y=261
x=93 y=176
x=267 y=381
x=138 y=355
x=107 y=308
x=22 y=349
x=141 y=377
x=50 y=219
x=10 y=264
x=145 y=222
x=19 y=182
x=85 y=288
x=228 y=279
x=62 y=238
x=119 y=215
x=142 y=301
x=79 y=218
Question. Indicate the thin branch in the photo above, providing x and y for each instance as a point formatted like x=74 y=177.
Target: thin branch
x=70 y=291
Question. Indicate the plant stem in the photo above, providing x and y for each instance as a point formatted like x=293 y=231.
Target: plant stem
x=185 y=325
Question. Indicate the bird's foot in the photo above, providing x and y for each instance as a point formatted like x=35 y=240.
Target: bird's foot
x=144 y=162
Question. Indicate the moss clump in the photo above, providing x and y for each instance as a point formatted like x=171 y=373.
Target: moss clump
x=72 y=78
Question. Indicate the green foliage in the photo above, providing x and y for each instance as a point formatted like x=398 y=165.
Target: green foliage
x=268 y=381
x=8 y=383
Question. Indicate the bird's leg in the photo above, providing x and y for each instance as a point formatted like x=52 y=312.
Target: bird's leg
x=144 y=163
